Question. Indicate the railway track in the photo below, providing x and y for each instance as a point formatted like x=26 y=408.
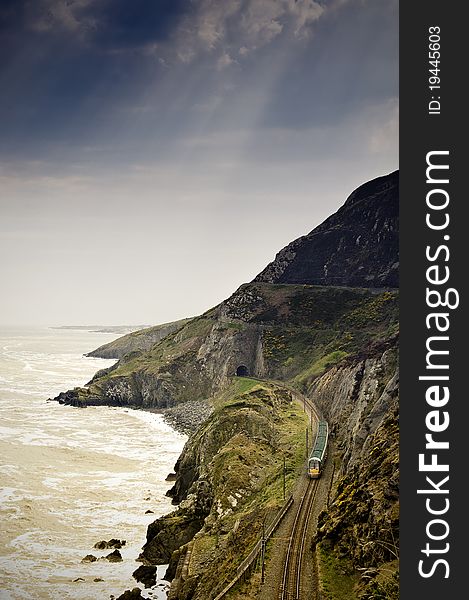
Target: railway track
x=293 y=567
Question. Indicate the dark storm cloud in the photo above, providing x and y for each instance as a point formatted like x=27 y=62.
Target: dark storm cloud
x=62 y=57
x=108 y=23
x=118 y=24
x=12 y=14
x=67 y=65
x=134 y=78
x=179 y=139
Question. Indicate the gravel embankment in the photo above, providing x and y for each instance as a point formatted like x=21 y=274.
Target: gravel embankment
x=187 y=417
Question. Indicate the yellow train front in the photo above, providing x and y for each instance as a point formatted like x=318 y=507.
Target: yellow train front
x=318 y=454
x=314 y=468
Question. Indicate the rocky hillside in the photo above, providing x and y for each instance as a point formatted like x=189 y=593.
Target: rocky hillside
x=322 y=318
x=229 y=481
x=357 y=246
x=360 y=529
x=137 y=341
x=275 y=332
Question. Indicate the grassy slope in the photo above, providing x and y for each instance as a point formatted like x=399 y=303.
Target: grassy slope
x=136 y=341
x=264 y=426
x=305 y=330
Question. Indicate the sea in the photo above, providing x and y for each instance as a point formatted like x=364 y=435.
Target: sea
x=71 y=477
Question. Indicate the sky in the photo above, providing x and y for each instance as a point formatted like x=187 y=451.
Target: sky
x=156 y=154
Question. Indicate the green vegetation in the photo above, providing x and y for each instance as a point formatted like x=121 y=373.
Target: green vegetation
x=231 y=325
x=337 y=577
x=241 y=449
x=237 y=387
x=172 y=347
x=320 y=366
x=324 y=326
x=272 y=427
x=288 y=333
x=137 y=341
x=375 y=310
x=384 y=585
x=148 y=330
x=245 y=384
x=301 y=330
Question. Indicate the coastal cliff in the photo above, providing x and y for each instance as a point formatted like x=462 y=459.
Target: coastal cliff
x=229 y=480
x=275 y=332
x=322 y=319
x=137 y=341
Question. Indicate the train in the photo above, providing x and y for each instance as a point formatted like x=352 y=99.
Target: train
x=317 y=458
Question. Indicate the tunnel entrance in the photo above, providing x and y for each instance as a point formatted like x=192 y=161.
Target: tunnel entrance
x=242 y=371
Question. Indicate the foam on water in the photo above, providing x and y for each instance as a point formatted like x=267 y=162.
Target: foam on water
x=71 y=477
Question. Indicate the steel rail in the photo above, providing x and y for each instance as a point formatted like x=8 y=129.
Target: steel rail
x=292 y=572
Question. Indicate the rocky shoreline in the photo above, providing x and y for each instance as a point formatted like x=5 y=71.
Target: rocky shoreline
x=188 y=417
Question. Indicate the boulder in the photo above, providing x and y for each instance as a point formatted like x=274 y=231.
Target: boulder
x=112 y=543
x=167 y=534
x=115 y=556
x=146 y=575
x=135 y=594
x=89 y=558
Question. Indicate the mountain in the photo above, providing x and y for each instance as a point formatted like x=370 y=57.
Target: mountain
x=358 y=246
x=297 y=331
x=274 y=330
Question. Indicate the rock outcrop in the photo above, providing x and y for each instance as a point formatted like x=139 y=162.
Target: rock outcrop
x=146 y=575
x=276 y=332
x=134 y=594
x=357 y=246
x=112 y=543
x=114 y=556
x=359 y=398
x=227 y=484
x=89 y=558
